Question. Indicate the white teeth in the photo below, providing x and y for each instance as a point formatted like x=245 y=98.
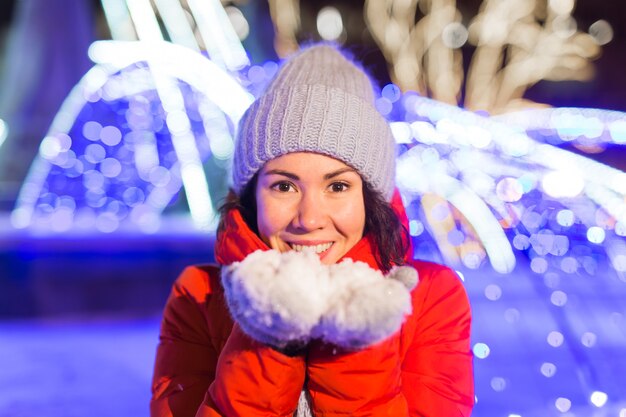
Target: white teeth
x=313 y=248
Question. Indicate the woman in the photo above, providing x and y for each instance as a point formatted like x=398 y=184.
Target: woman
x=313 y=185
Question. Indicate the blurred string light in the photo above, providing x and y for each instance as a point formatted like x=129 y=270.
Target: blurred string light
x=239 y=22
x=285 y=15
x=484 y=183
x=503 y=176
x=423 y=53
x=219 y=36
x=601 y=31
x=179 y=126
x=174 y=18
x=516 y=44
x=4 y=131
x=119 y=20
x=161 y=180
x=219 y=30
x=214 y=85
x=329 y=23
x=538 y=42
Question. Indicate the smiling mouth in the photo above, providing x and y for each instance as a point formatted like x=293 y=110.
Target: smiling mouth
x=317 y=249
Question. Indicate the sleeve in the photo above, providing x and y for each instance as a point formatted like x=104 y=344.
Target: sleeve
x=437 y=370
x=207 y=367
x=253 y=380
x=186 y=356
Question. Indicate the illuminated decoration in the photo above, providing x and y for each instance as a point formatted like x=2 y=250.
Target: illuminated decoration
x=157 y=144
x=330 y=24
x=424 y=56
x=518 y=43
x=4 y=131
x=487 y=181
x=286 y=17
x=126 y=163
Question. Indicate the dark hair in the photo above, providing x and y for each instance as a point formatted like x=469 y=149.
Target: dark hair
x=390 y=237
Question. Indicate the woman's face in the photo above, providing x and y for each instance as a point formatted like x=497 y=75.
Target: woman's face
x=310 y=201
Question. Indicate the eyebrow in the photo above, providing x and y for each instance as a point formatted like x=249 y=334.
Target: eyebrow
x=294 y=177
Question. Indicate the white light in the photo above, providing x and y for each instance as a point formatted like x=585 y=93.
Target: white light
x=219 y=36
x=222 y=147
x=481 y=350
x=565 y=218
x=478 y=137
x=561 y=6
x=61 y=219
x=239 y=22
x=555 y=339
x=596 y=234
x=110 y=167
x=95 y=153
x=601 y=31
x=589 y=339
x=563 y=404
x=4 y=131
x=329 y=23
x=564 y=26
x=617 y=130
x=21 y=217
x=178 y=122
x=461 y=276
x=426 y=133
x=178 y=26
x=563 y=183
x=49 y=147
x=509 y=190
x=454 y=35
x=416 y=228
x=118 y=20
x=619 y=262
x=182 y=63
x=548 y=369
x=146 y=24
x=107 y=222
x=517 y=145
x=493 y=292
x=498 y=384
x=410 y=174
x=92 y=130
x=110 y=135
x=401 y=132
x=558 y=298
x=598 y=398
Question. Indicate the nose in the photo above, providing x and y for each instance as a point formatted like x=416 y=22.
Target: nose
x=311 y=213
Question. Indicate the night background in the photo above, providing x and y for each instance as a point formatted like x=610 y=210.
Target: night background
x=525 y=197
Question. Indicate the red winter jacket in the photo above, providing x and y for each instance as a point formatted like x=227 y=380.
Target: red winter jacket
x=429 y=357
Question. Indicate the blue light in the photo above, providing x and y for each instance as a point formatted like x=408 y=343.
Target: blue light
x=391 y=92
x=481 y=350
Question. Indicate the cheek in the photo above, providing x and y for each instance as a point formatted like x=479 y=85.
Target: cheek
x=350 y=219
x=270 y=217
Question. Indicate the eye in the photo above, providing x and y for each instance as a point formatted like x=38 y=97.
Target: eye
x=283 y=187
x=339 y=187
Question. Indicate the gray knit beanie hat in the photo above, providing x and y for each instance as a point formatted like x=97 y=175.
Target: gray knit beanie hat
x=319 y=101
